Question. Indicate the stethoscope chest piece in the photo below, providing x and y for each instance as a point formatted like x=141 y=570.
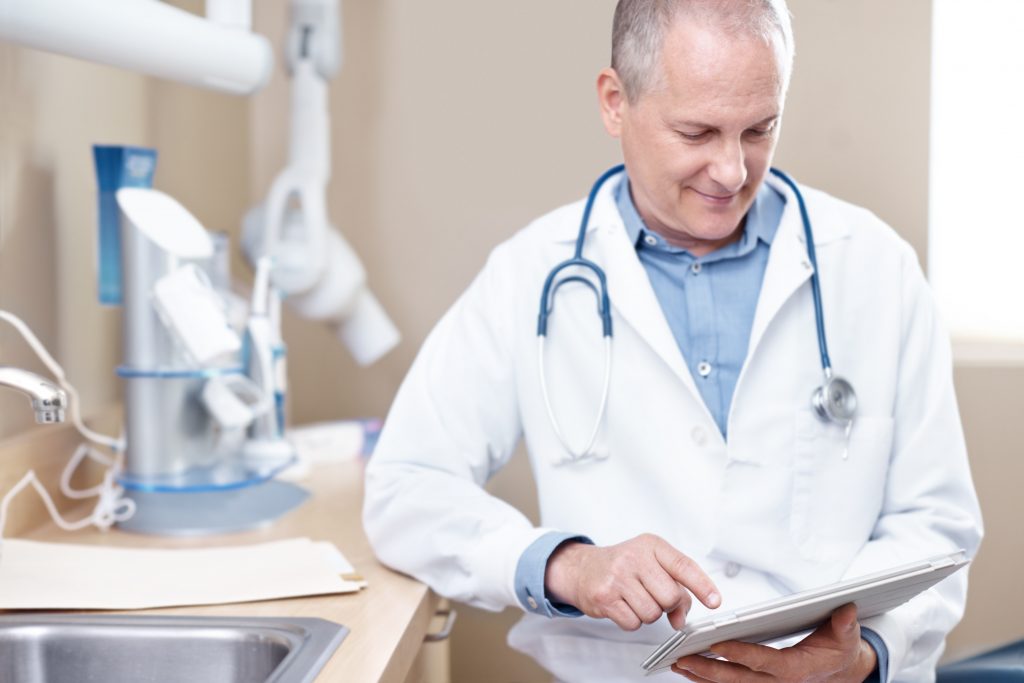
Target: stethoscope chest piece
x=835 y=401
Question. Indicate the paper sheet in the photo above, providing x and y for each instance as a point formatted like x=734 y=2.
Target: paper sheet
x=35 y=575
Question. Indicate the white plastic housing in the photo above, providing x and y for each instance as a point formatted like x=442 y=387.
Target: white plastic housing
x=147 y=36
x=169 y=225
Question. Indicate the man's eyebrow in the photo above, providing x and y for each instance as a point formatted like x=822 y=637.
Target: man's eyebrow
x=708 y=126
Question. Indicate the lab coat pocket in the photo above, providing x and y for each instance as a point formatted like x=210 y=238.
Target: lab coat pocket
x=838 y=484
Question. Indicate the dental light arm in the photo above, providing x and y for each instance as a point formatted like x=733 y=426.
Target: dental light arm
x=148 y=36
x=314 y=267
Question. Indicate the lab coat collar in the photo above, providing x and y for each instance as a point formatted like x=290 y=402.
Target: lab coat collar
x=825 y=230
x=606 y=211
x=789 y=265
x=632 y=295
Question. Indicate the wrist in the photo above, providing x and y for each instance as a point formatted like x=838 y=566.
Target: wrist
x=561 y=571
x=867 y=660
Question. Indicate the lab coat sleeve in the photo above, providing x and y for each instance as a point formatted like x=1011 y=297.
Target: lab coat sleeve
x=930 y=506
x=454 y=423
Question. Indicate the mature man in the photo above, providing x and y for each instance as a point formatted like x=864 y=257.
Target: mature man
x=710 y=472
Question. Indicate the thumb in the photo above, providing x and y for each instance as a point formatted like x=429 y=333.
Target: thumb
x=844 y=622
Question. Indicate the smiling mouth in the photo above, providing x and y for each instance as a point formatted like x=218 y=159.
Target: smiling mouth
x=716 y=199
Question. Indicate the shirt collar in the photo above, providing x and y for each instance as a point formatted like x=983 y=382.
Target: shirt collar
x=762 y=222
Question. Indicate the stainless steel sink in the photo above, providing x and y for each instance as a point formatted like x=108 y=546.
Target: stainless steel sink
x=102 y=648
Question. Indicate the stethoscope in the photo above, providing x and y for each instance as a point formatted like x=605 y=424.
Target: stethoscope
x=834 y=401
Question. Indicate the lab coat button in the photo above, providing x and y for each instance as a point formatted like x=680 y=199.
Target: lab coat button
x=732 y=569
x=704 y=368
x=700 y=437
x=531 y=602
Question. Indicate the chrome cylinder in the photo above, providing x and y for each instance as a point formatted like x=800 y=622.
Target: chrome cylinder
x=167 y=430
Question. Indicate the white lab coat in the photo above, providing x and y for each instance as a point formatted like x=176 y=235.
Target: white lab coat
x=777 y=509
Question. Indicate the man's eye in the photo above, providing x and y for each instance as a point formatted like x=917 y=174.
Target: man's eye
x=693 y=137
x=761 y=132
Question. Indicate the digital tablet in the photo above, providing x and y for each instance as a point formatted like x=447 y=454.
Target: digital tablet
x=873 y=594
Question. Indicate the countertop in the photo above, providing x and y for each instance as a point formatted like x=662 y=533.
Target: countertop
x=388 y=620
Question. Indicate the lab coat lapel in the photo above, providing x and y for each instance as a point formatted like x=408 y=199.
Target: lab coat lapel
x=631 y=293
x=788 y=269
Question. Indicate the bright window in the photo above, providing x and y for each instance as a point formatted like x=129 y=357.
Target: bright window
x=976 y=231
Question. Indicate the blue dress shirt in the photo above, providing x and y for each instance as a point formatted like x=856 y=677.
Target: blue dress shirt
x=709 y=303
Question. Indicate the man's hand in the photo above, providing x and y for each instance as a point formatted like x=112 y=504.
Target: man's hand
x=834 y=652
x=631 y=583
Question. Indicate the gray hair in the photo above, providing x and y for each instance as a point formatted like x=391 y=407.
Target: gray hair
x=639 y=30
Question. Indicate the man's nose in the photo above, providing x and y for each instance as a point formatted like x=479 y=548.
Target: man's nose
x=728 y=167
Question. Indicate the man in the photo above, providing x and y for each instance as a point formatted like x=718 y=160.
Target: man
x=710 y=474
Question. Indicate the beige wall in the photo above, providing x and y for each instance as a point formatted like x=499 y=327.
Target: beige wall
x=454 y=123
x=54 y=109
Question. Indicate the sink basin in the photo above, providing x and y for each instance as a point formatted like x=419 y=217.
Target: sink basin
x=86 y=648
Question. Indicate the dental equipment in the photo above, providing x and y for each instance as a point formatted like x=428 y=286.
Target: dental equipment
x=315 y=269
x=183 y=475
x=150 y=37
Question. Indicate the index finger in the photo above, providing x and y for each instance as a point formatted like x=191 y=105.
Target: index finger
x=688 y=573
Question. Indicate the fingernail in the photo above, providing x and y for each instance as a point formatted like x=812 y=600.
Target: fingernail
x=714 y=600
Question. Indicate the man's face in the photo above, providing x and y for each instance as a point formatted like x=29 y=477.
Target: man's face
x=698 y=143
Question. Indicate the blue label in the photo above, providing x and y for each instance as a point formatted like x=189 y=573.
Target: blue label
x=116 y=167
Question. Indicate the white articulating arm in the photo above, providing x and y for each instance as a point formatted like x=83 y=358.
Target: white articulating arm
x=146 y=36
x=314 y=266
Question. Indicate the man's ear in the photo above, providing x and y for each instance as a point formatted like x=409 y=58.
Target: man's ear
x=611 y=98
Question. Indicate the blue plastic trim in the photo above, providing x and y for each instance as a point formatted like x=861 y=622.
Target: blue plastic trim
x=253 y=479
x=116 y=166
x=190 y=373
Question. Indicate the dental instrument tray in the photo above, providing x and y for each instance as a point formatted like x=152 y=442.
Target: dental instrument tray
x=873 y=594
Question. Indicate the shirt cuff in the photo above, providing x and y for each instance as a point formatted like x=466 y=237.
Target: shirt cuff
x=881 y=673
x=529 y=579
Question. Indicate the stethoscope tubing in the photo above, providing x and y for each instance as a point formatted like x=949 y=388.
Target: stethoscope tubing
x=574 y=454
x=600 y=290
x=819 y=312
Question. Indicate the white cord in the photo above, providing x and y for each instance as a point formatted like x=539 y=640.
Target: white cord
x=116 y=445
x=111 y=506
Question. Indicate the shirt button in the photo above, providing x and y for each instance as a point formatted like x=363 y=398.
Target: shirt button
x=704 y=369
x=531 y=602
x=732 y=569
x=699 y=436
x=695 y=268
x=651 y=240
